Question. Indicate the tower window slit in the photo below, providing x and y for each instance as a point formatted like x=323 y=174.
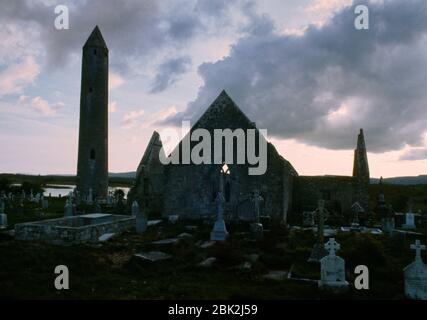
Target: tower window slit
x=92 y=154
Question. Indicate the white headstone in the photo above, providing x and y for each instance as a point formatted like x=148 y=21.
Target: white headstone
x=415 y=275
x=332 y=269
x=409 y=221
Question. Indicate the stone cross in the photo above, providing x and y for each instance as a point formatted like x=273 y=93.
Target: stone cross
x=332 y=246
x=418 y=247
x=256 y=199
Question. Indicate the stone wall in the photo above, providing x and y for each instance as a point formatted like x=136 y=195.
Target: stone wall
x=190 y=190
x=70 y=231
x=339 y=193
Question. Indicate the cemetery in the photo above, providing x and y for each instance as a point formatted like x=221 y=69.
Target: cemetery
x=133 y=256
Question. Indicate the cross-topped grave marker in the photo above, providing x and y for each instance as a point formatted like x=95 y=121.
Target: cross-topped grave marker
x=418 y=247
x=415 y=275
x=332 y=246
x=319 y=251
x=332 y=269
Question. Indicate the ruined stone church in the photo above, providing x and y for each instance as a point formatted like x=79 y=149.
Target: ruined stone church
x=189 y=190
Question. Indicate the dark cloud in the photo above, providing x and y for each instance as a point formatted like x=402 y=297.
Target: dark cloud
x=169 y=72
x=321 y=87
x=415 y=154
x=133 y=29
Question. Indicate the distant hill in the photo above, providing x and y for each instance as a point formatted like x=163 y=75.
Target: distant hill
x=128 y=175
x=422 y=179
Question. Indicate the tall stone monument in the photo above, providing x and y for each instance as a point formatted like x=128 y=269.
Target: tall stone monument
x=416 y=275
x=318 y=250
x=361 y=172
x=219 y=231
x=92 y=167
x=257 y=228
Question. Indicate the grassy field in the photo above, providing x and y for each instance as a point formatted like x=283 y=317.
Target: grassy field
x=111 y=271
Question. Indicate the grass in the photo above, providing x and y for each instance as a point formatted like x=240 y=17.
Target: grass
x=112 y=272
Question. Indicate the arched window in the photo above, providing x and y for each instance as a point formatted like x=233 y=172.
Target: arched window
x=94 y=52
x=92 y=154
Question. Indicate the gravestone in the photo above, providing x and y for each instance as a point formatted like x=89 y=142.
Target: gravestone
x=356 y=209
x=153 y=256
x=3 y=216
x=219 y=231
x=415 y=275
x=141 y=219
x=308 y=218
x=173 y=218
x=409 y=221
x=89 y=199
x=318 y=251
x=68 y=209
x=257 y=228
x=332 y=269
x=45 y=204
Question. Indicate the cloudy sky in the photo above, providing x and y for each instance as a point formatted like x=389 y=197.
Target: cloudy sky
x=298 y=68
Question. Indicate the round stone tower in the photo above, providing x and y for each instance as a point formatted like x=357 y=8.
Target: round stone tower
x=92 y=167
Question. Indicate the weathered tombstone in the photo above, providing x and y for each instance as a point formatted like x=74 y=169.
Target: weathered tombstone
x=89 y=199
x=318 y=251
x=173 y=218
x=256 y=228
x=409 y=221
x=141 y=219
x=308 y=218
x=356 y=209
x=3 y=216
x=45 y=203
x=332 y=269
x=68 y=209
x=219 y=231
x=415 y=275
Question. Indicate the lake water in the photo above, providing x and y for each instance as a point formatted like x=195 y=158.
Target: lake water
x=64 y=190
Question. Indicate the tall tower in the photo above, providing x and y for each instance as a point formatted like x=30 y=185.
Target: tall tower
x=92 y=167
x=361 y=172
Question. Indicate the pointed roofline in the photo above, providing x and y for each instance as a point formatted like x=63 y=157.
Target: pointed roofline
x=223 y=95
x=95 y=39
